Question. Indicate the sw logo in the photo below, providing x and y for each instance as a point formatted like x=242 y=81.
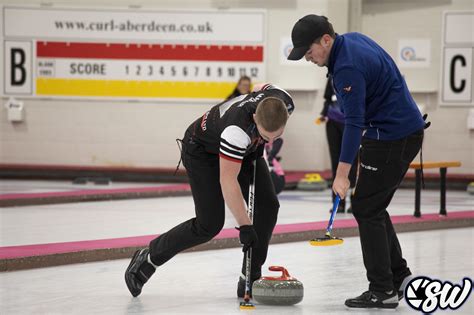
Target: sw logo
x=426 y=295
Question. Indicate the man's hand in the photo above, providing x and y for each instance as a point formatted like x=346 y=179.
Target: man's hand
x=340 y=186
x=257 y=87
x=248 y=237
x=341 y=183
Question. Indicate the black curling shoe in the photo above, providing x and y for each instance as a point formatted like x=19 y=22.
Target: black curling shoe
x=138 y=272
x=372 y=299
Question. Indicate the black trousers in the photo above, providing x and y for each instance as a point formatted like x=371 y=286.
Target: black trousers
x=334 y=132
x=278 y=182
x=383 y=164
x=203 y=172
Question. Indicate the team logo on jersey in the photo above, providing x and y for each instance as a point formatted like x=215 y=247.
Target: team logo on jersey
x=426 y=295
x=204 y=121
x=348 y=88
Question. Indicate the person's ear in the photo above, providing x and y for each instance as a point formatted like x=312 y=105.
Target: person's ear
x=255 y=118
x=326 y=40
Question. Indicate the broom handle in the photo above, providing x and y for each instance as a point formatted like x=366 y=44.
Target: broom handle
x=250 y=210
x=333 y=214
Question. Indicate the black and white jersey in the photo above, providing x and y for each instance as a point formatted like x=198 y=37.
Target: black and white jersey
x=228 y=129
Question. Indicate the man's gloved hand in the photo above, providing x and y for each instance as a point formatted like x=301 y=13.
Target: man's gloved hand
x=248 y=237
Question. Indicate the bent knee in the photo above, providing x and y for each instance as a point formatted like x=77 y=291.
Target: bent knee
x=207 y=230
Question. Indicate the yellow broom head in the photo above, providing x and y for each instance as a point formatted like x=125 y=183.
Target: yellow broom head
x=326 y=241
x=246 y=306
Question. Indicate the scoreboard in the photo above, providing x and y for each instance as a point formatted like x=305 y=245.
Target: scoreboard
x=125 y=54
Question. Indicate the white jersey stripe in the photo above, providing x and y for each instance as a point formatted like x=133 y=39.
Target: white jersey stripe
x=235 y=136
x=233 y=149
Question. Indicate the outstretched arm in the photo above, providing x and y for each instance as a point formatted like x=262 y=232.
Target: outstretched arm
x=229 y=170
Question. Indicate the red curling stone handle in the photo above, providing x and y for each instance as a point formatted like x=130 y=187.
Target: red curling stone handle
x=285 y=276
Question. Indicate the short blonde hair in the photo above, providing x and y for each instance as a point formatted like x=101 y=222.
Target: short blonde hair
x=271 y=114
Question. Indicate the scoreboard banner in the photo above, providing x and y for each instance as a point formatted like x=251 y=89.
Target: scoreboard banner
x=130 y=54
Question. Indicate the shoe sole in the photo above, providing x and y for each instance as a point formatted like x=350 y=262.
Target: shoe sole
x=390 y=306
x=127 y=272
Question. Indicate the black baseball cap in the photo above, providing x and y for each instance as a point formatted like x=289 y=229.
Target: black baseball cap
x=305 y=31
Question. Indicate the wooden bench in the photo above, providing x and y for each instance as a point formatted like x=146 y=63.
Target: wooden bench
x=443 y=168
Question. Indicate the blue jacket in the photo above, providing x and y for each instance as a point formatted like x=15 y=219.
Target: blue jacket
x=373 y=94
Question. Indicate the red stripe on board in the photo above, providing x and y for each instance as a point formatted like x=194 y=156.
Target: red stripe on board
x=86 y=192
x=149 y=52
x=292 y=175
x=70 y=247
x=10 y=252
x=59 y=167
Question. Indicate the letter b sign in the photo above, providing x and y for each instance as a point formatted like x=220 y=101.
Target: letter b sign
x=17 y=67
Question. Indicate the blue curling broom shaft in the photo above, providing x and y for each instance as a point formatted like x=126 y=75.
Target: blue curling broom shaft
x=333 y=215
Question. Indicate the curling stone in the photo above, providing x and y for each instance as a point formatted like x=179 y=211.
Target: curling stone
x=312 y=181
x=283 y=290
x=470 y=188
